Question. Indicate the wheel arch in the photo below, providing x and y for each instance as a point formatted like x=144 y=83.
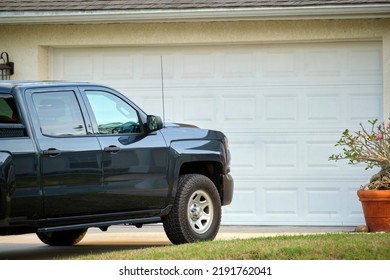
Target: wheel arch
x=211 y=169
x=205 y=157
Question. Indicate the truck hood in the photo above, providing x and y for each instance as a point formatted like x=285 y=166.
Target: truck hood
x=179 y=125
x=183 y=132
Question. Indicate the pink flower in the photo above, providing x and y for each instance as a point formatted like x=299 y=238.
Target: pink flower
x=379 y=136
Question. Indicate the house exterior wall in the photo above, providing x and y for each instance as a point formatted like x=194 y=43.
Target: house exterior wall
x=29 y=45
x=357 y=49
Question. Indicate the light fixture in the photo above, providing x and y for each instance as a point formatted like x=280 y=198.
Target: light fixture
x=6 y=67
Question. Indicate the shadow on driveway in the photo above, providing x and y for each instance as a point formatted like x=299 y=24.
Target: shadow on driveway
x=29 y=247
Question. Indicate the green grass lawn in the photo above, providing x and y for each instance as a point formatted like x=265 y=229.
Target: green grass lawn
x=333 y=246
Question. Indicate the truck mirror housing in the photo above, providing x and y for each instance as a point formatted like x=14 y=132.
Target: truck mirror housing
x=154 y=123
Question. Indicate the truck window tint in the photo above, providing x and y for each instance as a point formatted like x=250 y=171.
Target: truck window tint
x=8 y=110
x=59 y=113
x=112 y=114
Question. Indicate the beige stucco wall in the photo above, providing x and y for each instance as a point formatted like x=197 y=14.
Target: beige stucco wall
x=29 y=45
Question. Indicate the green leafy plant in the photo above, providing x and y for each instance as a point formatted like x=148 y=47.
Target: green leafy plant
x=370 y=146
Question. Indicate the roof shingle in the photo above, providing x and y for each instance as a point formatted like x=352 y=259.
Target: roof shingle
x=96 y=5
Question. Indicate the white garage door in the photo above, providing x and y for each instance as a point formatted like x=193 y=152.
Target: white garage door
x=283 y=106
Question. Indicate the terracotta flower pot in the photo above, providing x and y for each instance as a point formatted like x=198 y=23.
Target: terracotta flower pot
x=376 y=209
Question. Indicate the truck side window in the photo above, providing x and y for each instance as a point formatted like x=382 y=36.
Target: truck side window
x=59 y=113
x=112 y=114
x=10 y=123
x=8 y=110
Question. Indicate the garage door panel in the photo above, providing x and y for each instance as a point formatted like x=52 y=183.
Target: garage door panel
x=149 y=70
x=239 y=65
x=288 y=155
x=324 y=202
x=74 y=66
x=269 y=108
x=240 y=110
x=115 y=67
x=199 y=109
x=281 y=202
x=198 y=66
x=246 y=155
x=317 y=154
x=281 y=155
x=316 y=108
x=245 y=203
x=295 y=202
x=316 y=104
x=364 y=106
x=282 y=106
x=365 y=62
x=323 y=63
x=279 y=64
x=284 y=64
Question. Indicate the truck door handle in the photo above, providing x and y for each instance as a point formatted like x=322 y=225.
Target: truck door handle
x=52 y=152
x=112 y=149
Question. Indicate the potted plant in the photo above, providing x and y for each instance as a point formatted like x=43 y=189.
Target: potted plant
x=372 y=147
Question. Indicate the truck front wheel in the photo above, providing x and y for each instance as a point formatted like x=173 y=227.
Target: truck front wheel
x=62 y=238
x=196 y=214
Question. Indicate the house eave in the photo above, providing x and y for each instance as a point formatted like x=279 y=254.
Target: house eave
x=190 y=15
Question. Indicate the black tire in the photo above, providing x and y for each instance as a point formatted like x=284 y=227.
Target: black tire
x=196 y=213
x=62 y=238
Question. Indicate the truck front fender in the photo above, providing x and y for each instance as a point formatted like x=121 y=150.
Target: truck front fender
x=185 y=152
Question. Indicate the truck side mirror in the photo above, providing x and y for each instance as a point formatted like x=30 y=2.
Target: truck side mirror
x=154 y=123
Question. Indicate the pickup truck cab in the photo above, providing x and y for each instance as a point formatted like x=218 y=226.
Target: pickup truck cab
x=79 y=155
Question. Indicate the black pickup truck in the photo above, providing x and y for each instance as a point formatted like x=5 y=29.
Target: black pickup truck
x=80 y=155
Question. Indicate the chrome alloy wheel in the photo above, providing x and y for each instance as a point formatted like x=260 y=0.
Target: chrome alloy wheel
x=200 y=211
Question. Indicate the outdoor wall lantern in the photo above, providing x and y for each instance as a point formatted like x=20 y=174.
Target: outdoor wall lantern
x=6 y=67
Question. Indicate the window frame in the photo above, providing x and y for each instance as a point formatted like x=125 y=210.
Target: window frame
x=73 y=91
x=91 y=113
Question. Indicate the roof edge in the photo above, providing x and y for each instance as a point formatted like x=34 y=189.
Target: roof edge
x=190 y=15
